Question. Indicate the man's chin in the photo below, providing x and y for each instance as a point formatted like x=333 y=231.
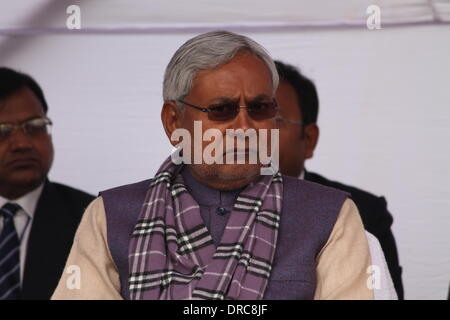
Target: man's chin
x=27 y=180
x=227 y=176
x=238 y=175
x=239 y=171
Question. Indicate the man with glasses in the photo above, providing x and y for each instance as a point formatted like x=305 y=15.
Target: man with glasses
x=219 y=230
x=38 y=218
x=299 y=133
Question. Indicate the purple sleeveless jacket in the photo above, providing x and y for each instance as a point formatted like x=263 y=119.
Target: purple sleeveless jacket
x=308 y=215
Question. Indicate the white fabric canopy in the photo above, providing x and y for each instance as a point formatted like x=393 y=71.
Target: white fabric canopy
x=384 y=96
x=43 y=16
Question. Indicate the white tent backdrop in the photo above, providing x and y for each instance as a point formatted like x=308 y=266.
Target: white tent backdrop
x=385 y=98
x=43 y=16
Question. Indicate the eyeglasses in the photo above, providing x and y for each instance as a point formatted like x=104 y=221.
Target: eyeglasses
x=33 y=128
x=228 y=111
x=281 y=120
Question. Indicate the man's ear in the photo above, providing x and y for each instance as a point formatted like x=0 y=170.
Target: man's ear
x=171 y=118
x=311 y=139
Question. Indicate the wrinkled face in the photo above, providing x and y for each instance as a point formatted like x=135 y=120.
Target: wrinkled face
x=24 y=160
x=244 y=80
x=293 y=146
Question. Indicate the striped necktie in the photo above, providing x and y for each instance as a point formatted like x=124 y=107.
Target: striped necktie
x=9 y=254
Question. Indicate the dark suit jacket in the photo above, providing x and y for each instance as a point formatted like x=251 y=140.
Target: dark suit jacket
x=376 y=219
x=55 y=221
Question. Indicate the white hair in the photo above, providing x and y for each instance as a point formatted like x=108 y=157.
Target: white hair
x=206 y=52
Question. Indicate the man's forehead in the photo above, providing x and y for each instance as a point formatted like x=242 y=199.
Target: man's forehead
x=287 y=99
x=245 y=79
x=20 y=106
x=237 y=98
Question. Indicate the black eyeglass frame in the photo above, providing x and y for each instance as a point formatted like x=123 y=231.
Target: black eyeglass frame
x=281 y=119
x=211 y=109
x=48 y=123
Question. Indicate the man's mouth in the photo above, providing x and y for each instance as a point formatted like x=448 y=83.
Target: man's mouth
x=241 y=151
x=23 y=163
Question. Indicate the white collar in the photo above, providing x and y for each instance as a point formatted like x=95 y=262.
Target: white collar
x=302 y=175
x=28 y=202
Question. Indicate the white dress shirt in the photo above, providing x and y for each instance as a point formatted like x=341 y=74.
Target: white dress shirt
x=302 y=175
x=386 y=290
x=23 y=220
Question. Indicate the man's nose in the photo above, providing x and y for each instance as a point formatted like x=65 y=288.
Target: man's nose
x=243 y=120
x=19 y=140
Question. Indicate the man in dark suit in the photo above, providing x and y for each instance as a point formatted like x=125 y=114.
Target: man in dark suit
x=299 y=134
x=38 y=218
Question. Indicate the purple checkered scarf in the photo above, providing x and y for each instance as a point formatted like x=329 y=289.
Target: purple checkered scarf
x=172 y=255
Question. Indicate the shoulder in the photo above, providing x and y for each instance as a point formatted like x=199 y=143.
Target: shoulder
x=310 y=208
x=137 y=188
x=357 y=193
x=69 y=195
x=125 y=198
x=294 y=187
x=63 y=201
x=371 y=207
x=312 y=199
